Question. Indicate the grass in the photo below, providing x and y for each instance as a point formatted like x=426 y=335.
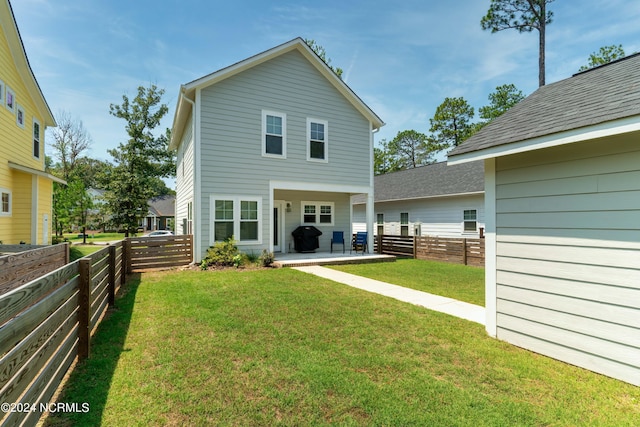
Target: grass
x=456 y=281
x=280 y=347
x=94 y=237
x=79 y=251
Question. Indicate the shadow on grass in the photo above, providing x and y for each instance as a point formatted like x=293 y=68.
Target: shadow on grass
x=90 y=381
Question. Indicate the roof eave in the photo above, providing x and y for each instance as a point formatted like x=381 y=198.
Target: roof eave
x=600 y=130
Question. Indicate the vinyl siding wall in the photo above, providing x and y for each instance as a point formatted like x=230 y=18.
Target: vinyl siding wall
x=437 y=216
x=568 y=254
x=184 y=176
x=16 y=145
x=231 y=134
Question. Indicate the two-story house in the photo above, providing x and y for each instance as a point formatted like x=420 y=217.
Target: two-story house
x=25 y=188
x=268 y=144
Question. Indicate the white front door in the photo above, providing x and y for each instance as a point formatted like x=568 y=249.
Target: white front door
x=278 y=225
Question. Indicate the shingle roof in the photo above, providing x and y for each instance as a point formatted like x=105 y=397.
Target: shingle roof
x=163 y=206
x=599 y=95
x=432 y=180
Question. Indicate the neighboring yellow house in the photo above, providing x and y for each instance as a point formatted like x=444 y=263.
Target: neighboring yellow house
x=25 y=188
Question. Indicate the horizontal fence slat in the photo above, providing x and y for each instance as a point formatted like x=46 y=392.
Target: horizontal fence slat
x=468 y=251
x=24 y=267
x=160 y=252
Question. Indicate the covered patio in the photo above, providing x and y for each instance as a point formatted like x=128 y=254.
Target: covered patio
x=294 y=259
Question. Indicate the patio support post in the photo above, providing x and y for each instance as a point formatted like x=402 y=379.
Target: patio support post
x=370 y=226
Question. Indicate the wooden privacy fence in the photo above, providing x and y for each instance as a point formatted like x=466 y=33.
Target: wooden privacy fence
x=450 y=249
x=158 y=252
x=27 y=265
x=46 y=323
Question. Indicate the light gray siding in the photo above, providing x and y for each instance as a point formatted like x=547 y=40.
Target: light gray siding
x=184 y=177
x=231 y=135
x=442 y=216
x=568 y=253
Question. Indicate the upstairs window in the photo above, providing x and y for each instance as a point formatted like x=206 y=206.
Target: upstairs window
x=274 y=134
x=10 y=100
x=20 y=116
x=317 y=148
x=470 y=220
x=36 y=139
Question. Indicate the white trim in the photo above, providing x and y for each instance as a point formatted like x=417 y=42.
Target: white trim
x=282 y=116
x=20 y=113
x=2 y=88
x=236 y=217
x=197 y=185
x=6 y=191
x=314 y=186
x=8 y=92
x=37 y=172
x=326 y=140
x=601 y=130
x=439 y=196
x=490 y=276
x=33 y=138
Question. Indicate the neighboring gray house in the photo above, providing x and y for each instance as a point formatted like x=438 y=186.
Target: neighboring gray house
x=161 y=215
x=268 y=144
x=562 y=195
x=430 y=200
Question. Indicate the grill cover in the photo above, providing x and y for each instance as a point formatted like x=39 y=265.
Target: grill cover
x=305 y=238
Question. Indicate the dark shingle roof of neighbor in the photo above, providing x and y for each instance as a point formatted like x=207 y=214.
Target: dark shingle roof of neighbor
x=432 y=180
x=601 y=94
x=163 y=205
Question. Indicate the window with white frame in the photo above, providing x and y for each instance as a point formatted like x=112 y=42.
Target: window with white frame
x=238 y=217
x=10 y=99
x=404 y=224
x=470 y=220
x=5 y=202
x=36 y=138
x=380 y=222
x=1 y=92
x=318 y=213
x=274 y=134
x=20 y=115
x=317 y=140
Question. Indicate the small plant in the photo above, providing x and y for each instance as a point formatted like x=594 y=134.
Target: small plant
x=221 y=254
x=252 y=257
x=267 y=258
x=238 y=260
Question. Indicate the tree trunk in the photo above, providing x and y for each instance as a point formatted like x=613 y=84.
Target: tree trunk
x=542 y=30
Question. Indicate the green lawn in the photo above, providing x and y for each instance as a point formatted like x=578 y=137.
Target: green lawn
x=280 y=347
x=94 y=237
x=456 y=281
x=79 y=251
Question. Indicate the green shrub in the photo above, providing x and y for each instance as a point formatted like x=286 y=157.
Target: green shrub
x=252 y=257
x=221 y=254
x=267 y=258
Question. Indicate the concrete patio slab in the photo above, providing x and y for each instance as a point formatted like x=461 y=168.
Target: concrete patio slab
x=324 y=258
x=464 y=310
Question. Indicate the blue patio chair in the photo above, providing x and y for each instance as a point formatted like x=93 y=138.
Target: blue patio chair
x=360 y=241
x=338 y=238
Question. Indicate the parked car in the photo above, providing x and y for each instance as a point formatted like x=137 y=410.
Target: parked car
x=159 y=233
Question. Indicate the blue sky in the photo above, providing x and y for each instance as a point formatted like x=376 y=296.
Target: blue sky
x=401 y=57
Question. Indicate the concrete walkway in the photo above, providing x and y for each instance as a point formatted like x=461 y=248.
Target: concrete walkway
x=464 y=310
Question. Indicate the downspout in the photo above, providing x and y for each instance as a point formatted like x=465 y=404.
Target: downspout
x=196 y=169
x=370 y=205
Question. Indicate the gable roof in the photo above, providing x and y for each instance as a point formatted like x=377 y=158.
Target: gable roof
x=163 y=206
x=187 y=91
x=434 y=180
x=598 y=102
x=19 y=56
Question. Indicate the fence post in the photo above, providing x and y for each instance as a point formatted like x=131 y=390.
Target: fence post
x=112 y=275
x=84 y=309
x=67 y=249
x=415 y=247
x=123 y=266
x=464 y=251
x=126 y=253
x=379 y=238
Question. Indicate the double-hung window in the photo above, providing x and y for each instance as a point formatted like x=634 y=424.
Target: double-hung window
x=318 y=213
x=404 y=224
x=470 y=220
x=5 y=202
x=237 y=217
x=36 y=139
x=317 y=140
x=274 y=134
x=10 y=99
